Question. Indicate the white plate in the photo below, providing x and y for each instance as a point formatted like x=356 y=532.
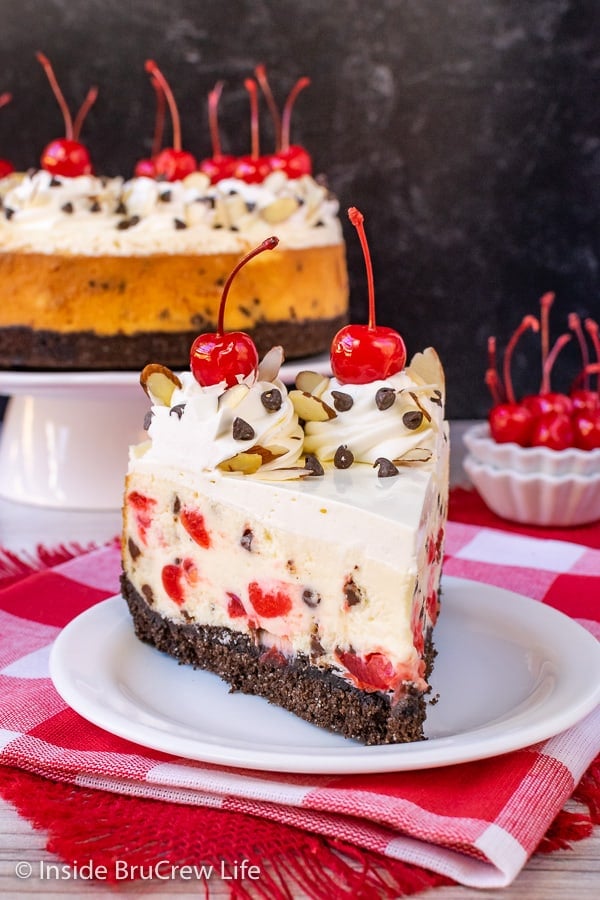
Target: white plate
x=509 y=671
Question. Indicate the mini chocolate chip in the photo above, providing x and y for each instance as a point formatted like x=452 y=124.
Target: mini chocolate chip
x=179 y=224
x=176 y=505
x=95 y=206
x=148 y=594
x=246 y=539
x=134 y=550
x=250 y=205
x=8 y=212
x=133 y=220
x=165 y=197
x=352 y=592
x=385 y=397
x=121 y=209
x=67 y=207
x=54 y=182
x=311 y=597
x=316 y=647
x=342 y=402
x=313 y=465
x=242 y=431
x=123 y=225
x=148 y=419
x=386 y=467
x=412 y=419
x=343 y=458
x=437 y=397
x=271 y=400
x=177 y=410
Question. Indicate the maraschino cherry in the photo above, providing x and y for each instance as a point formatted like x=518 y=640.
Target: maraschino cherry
x=67 y=156
x=172 y=163
x=6 y=167
x=586 y=418
x=145 y=168
x=548 y=401
x=253 y=168
x=220 y=165
x=289 y=158
x=217 y=357
x=364 y=353
x=509 y=421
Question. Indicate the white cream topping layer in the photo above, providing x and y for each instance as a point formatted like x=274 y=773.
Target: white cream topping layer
x=95 y=216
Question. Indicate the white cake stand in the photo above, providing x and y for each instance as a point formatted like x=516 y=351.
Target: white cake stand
x=65 y=437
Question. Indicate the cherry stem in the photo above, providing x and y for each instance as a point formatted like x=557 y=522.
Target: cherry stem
x=45 y=62
x=357 y=219
x=575 y=325
x=492 y=379
x=159 y=119
x=250 y=86
x=84 y=109
x=268 y=244
x=545 y=303
x=592 y=329
x=5 y=98
x=261 y=76
x=213 y=118
x=528 y=322
x=286 y=118
x=153 y=69
x=551 y=359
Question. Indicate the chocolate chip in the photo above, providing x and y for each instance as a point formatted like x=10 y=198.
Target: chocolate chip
x=134 y=550
x=148 y=419
x=311 y=597
x=271 y=400
x=343 y=458
x=387 y=469
x=177 y=410
x=385 y=397
x=148 y=594
x=8 y=212
x=246 y=539
x=242 y=431
x=165 y=197
x=437 y=397
x=67 y=207
x=179 y=224
x=54 y=182
x=95 y=206
x=342 y=402
x=121 y=209
x=412 y=419
x=316 y=647
x=313 y=465
x=352 y=592
x=176 y=505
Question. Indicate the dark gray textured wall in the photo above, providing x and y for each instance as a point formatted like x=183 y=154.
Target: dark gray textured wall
x=468 y=132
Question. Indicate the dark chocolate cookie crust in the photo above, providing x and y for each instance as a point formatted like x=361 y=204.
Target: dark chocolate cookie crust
x=318 y=696
x=28 y=348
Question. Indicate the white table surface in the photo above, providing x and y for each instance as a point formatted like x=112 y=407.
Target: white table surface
x=558 y=876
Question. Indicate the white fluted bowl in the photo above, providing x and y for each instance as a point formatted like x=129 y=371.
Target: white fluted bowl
x=536 y=499
x=530 y=460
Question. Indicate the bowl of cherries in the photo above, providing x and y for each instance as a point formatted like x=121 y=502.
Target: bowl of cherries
x=537 y=458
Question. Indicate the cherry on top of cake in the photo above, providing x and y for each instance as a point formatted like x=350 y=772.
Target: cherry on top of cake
x=67 y=156
x=6 y=167
x=551 y=419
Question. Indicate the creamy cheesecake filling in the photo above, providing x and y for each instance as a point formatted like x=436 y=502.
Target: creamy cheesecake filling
x=91 y=216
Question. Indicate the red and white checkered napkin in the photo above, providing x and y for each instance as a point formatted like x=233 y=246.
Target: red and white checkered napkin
x=476 y=823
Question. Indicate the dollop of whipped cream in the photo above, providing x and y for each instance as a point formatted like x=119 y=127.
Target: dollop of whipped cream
x=91 y=215
x=398 y=419
x=250 y=428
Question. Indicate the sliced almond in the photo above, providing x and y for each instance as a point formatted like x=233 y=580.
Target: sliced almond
x=233 y=396
x=266 y=454
x=312 y=383
x=159 y=383
x=427 y=367
x=284 y=474
x=279 y=210
x=246 y=463
x=310 y=408
x=270 y=364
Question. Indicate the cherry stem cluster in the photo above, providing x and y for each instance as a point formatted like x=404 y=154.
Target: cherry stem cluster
x=261 y=76
x=281 y=123
x=268 y=244
x=213 y=118
x=160 y=79
x=575 y=326
x=250 y=86
x=71 y=130
x=492 y=379
x=550 y=360
x=528 y=322
x=357 y=219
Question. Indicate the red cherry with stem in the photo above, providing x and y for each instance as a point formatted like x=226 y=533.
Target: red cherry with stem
x=219 y=165
x=217 y=357
x=291 y=158
x=586 y=429
x=584 y=398
x=253 y=168
x=173 y=163
x=364 y=353
x=6 y=167
x=548 y=401
x=511 y=423
x=67 y=156
x=145 y=168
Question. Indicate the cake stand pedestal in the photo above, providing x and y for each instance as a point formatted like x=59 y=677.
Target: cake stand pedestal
x=65 y=437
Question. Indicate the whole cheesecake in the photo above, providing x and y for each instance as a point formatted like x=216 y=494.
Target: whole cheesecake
x=102 y=273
